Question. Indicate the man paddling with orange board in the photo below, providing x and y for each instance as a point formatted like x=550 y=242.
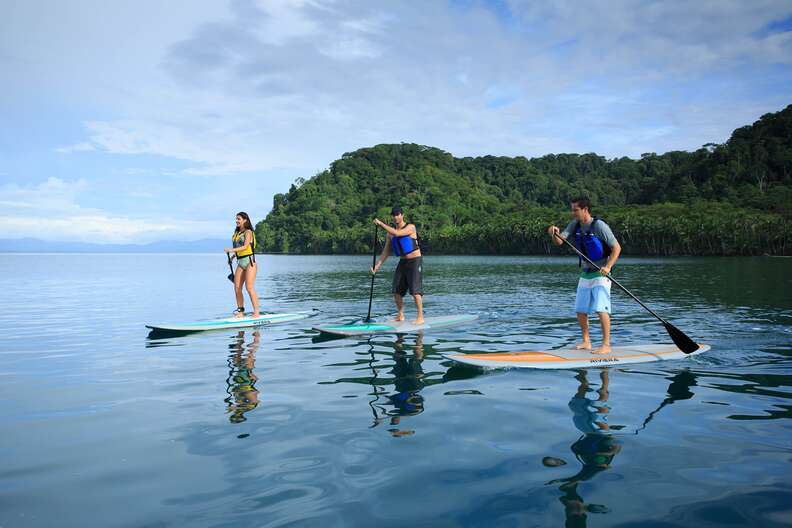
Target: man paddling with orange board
x=595 y=239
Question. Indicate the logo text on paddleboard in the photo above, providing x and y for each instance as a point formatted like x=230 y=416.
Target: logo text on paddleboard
x=604 y=360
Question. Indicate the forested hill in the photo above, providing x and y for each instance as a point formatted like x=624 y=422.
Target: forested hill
x=734 y=198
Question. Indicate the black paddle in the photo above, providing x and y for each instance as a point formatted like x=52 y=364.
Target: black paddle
x=230 y=275
x=373 y=263
x=682 y=341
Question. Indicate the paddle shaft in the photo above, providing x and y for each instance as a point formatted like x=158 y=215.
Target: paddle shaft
x=608 y=275
x=373 y=263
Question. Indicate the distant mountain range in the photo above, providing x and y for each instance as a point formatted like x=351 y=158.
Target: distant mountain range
x=32 y=245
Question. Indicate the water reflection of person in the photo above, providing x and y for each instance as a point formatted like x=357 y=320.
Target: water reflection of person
x=598 y=446
x=595 y=450
x=408 y=382
x=241 y=381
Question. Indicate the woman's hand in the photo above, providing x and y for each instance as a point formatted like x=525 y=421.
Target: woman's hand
x=228 y=250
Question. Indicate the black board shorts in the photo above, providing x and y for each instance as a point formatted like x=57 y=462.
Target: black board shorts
x=408 y=276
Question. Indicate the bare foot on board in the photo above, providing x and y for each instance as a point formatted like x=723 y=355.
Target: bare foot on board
x=602 y=350
x=585 y=345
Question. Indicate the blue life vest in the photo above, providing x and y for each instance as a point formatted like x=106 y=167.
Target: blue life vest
x=402 y=245
x=590 y=244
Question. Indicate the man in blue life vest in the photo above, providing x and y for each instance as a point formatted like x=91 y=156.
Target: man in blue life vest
x=593 y=238
x=403 y=242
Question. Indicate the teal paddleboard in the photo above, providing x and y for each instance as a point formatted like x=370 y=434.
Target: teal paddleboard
x=394 y=327
x=266 y=319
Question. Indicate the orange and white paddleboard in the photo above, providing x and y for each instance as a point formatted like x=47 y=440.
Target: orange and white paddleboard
x=571 y=358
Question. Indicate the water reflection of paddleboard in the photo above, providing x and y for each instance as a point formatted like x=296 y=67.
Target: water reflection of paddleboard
x=571 y=358
x=265 y=319
x=394 y=327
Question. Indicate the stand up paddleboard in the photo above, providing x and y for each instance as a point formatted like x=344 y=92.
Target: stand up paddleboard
x=571 y=358
x=232 y=322
x=393 y=327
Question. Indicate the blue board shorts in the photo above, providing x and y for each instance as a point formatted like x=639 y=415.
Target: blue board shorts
x=593 y=293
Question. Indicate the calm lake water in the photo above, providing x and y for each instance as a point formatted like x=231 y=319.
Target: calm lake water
x=101 y=425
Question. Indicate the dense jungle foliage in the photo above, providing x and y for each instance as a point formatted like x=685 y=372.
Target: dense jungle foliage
x=729 y=199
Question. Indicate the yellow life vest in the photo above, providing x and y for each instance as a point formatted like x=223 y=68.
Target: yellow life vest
x=238 y=240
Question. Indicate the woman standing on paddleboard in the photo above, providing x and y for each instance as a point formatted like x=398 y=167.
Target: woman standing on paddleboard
x=244 y=244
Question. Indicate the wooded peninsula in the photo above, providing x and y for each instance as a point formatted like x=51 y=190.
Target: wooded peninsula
x=722 y=199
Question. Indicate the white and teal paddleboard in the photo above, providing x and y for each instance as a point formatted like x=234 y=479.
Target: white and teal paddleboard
x=572 y=359
x=394 y=327
x=232 y=322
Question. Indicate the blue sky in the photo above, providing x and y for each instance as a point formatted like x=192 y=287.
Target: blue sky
x=139 y=121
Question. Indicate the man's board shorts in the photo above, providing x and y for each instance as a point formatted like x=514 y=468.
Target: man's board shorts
x=593 y=293
x=408 y=276
x=243 y=262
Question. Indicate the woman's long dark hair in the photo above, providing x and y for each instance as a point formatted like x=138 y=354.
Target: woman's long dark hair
x=247 y=225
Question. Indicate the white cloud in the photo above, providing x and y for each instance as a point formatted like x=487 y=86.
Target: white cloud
x=295 y=84
x=101 y=228
x=49 y=211
x=350 y=49
x=53 y=195
x=251 y=85
x=79 y=147
x=216 y=147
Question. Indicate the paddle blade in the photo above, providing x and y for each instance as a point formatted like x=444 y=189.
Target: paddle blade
x=680 y=339
x=231 y=277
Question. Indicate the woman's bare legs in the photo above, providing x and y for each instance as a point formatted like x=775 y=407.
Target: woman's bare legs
x=239 y=277
x=250 y=281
